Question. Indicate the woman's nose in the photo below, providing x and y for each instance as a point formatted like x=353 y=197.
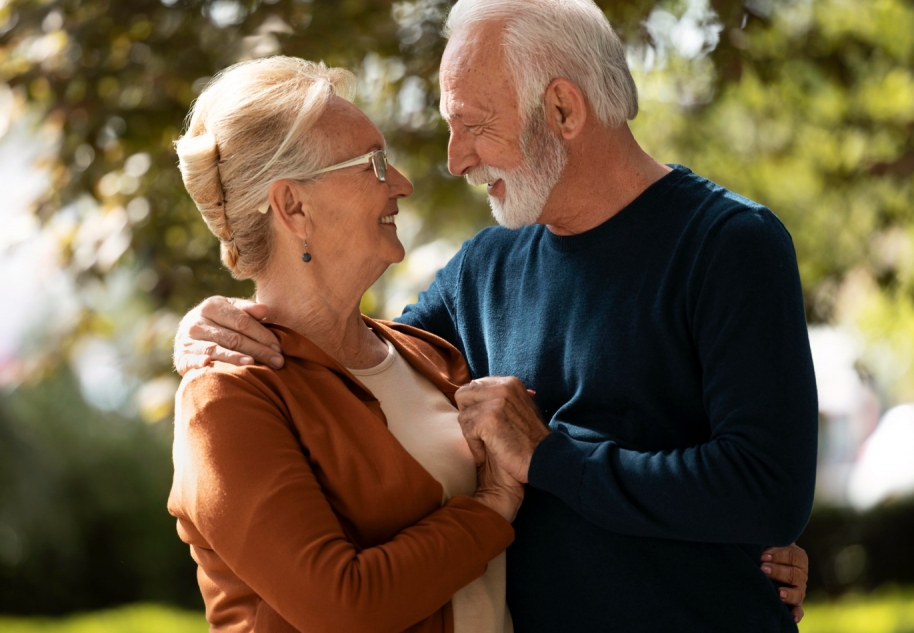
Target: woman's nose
x=400 y=186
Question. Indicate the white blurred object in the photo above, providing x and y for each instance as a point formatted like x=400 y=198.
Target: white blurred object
x=849 y=408
x=886 y=465
x=834 y=352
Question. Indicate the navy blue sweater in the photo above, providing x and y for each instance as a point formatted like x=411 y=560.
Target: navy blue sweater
x=669 y=353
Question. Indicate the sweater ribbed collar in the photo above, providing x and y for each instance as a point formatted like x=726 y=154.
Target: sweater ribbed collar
x=630 y=215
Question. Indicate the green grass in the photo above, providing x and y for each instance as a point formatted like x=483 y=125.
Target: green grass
x=138 y=618
x=888 y=610
x=885 y=611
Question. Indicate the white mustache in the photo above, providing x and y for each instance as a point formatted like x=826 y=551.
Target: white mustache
x=484 y=174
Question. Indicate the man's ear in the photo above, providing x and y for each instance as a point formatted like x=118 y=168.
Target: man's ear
x=566 y=108
x=288 y=206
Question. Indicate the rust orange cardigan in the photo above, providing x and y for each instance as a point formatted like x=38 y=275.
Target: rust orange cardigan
x=303 y=511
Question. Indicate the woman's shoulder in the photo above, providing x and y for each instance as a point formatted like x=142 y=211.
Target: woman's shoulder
x=218 y=375
x=229 y=388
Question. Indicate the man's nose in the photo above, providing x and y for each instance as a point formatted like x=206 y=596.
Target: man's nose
x=461 y=154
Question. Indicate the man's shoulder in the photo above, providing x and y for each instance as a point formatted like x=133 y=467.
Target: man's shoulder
x=715 y=208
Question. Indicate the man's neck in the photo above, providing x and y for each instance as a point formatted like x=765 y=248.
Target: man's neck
x=606 y=171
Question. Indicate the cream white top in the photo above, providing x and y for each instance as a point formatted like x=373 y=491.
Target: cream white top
x=425 y=423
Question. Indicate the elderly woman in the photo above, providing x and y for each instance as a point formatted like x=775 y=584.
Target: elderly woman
x=338 y=493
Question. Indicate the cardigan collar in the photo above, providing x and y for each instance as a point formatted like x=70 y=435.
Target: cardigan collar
x=431 y=356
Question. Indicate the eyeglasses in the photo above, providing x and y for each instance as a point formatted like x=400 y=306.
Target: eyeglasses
x=377 y=158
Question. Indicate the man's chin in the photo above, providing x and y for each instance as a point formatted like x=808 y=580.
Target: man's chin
x=509 y=220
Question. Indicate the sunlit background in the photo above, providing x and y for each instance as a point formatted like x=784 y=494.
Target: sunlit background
x=804 y=105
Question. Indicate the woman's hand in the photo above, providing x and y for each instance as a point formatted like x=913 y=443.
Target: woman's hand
x=497 y=489
x=788 y=565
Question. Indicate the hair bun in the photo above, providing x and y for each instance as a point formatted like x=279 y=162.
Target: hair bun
x=198 y=160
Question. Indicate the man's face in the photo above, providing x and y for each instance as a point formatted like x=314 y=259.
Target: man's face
x=489 y=143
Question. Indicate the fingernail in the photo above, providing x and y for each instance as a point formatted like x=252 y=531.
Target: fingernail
x=796 y=619
x=767 y=570
x=276 y=361
x=783 y=594
x=276 y=349
x=246 y=360
x=766 y=557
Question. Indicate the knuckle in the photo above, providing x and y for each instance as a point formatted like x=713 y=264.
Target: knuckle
x=194 y=330
x=233 y=341
x=210 y=303
x=240 y=320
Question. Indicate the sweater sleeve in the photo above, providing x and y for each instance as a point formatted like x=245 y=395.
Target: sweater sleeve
x=752 y=481
x=250 y=492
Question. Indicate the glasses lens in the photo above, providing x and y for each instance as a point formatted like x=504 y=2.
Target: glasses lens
x=379 y=162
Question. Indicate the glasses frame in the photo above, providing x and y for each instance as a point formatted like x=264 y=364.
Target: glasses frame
x=377 y=158
x=378 y=164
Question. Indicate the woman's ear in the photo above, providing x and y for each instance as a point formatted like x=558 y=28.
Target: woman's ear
x=288 y=206
x=566 y=108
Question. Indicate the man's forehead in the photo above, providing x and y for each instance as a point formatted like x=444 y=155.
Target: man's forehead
x=470 y=68
x=477 y=47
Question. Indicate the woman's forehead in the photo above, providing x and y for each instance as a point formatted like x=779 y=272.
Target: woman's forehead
x=344 y=124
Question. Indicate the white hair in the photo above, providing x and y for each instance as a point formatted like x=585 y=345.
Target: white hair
x=548 y=39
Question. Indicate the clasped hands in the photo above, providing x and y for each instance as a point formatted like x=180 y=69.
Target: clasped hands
x=502 y=426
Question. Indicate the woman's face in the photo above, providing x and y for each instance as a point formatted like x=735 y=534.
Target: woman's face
x=352 y=213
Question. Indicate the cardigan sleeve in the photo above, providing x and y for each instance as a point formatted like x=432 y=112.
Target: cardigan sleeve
x=249 y=491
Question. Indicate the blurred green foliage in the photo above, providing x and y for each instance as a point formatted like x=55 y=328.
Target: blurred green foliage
x=82 y=507
x=890 y=610
x=140 y=618
x=858 y=552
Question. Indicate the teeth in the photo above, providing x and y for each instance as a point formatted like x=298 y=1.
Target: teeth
x=387 y=219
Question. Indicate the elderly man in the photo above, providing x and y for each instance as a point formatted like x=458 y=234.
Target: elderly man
x=656 y=317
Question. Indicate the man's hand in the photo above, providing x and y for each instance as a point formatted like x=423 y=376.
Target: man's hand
x=500 y=421
x=228 y=330
x=789 y=565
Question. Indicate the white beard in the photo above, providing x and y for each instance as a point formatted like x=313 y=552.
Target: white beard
x=527 y=187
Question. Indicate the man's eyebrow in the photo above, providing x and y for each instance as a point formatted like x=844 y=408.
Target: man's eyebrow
x=448 y=116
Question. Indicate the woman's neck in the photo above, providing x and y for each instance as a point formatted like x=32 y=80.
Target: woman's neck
x=328 y=315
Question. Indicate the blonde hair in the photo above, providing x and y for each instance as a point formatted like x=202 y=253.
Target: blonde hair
x=252 y=125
